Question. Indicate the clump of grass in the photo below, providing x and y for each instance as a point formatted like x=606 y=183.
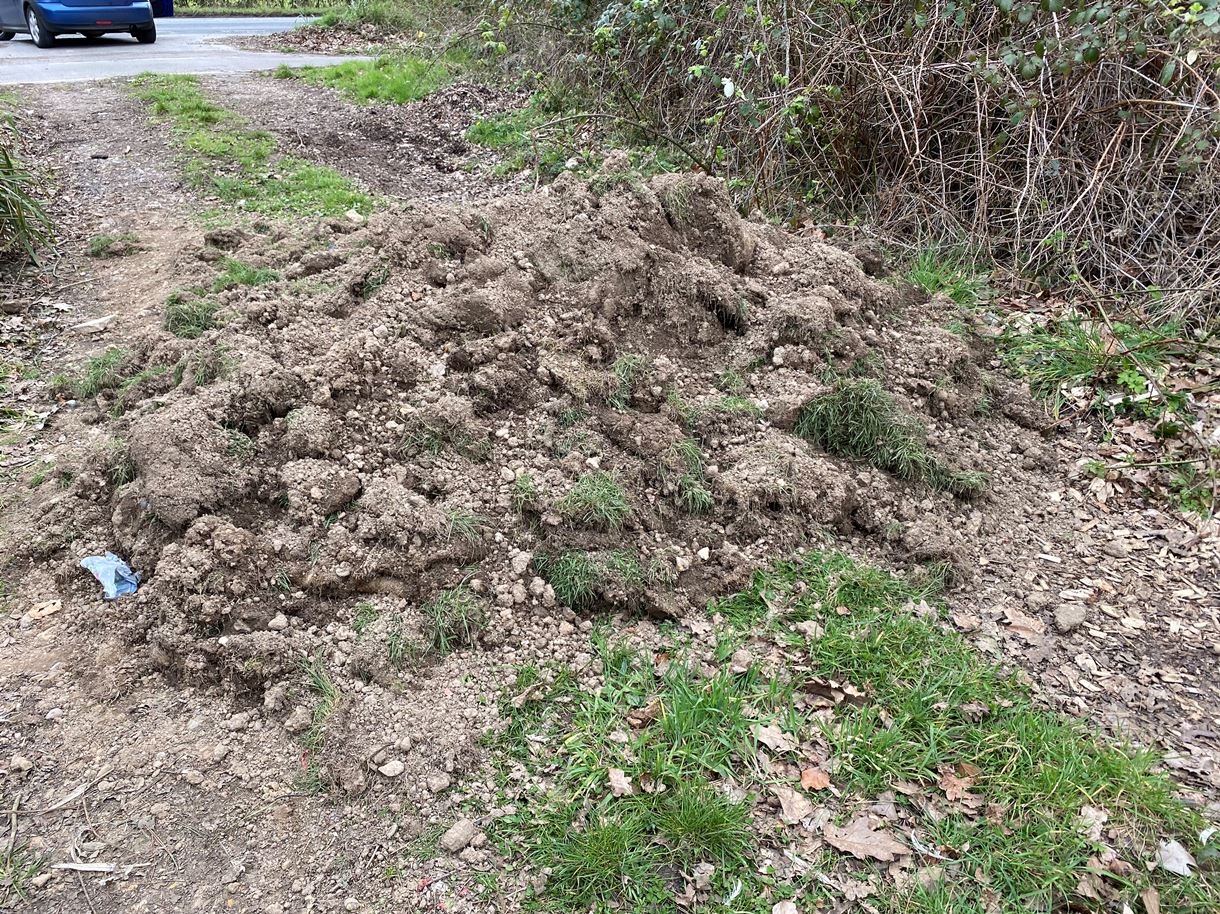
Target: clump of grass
x=364 y=615
x=373 y=281
x=700 y=823
x=189 y=314
x=524 y=492
x=731 y=381
x=125 y=390
x=19 y=866
x=735 y=405
x=463 y=524
x=106 y=246
x=101 y=372
x=690 y=486
x=577 y=577
x=24 y=224
x=455 y=618
x=120 y=467
x=240 y=446
x=935 y=270
x=860 y=419
x=432 y=438
x=321 y=684
x=623 y=374
x=596 y=499
x=573 y=576
x=212 y=364
x=393 y=78
x=235 y=273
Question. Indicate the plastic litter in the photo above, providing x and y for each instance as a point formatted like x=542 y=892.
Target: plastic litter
x=116 y=578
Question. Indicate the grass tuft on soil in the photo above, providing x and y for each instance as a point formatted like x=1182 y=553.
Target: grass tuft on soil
x=860 y=419
x=596 y=499
x=998 y=785
x=189 y=314
x=241 y=165
x=394 y=79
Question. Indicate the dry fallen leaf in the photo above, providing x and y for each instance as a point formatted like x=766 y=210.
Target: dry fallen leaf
x=955 y=787
x=1021 y=624
x=1173 y=857
x=774 y=738
x=1152 y=900
x=784 y=907
x=620 y=784
x=794 y=806
x=860 y=840
x=815 y=779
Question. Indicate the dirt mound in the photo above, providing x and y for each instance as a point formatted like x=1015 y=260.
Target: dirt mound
x=563 y=399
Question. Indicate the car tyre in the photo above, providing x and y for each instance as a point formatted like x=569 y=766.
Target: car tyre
x=148 y=35
x=7 y=36
x=43 y=36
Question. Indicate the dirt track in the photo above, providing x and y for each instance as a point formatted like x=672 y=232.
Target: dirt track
x=181 y=711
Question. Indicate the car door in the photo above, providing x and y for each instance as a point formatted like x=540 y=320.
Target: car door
x=10 y=14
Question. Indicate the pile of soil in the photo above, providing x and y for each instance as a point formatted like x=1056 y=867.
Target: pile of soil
x=359 y=430
x=341 y=38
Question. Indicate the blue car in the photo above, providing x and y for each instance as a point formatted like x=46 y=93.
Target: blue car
x=44 y=19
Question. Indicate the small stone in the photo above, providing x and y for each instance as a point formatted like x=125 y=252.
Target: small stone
x=351 y=904
x=238 y=721
x=299 y=720
x=191 y=776
x=704 y=554
x=1070 y=616
x=439 y=782
x=55 y=714
x=393 y=768
x=19 y=764
x=507 y=474
x=566 y=628
x=460 y=834
x=279 y=623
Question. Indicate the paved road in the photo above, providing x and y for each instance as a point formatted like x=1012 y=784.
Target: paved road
x=183 y=46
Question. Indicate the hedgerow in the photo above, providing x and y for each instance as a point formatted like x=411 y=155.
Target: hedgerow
x=1070 y=141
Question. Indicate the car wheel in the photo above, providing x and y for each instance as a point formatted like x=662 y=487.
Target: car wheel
x=42 y=35
x=7 y=36
x=148 y=35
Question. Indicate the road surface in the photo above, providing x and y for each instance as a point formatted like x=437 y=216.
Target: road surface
x=186 y=45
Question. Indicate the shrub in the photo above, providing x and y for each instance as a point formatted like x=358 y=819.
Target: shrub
x=1067 y=137
x=24 y=224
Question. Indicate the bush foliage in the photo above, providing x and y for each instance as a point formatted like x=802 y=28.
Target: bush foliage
x=1069 y=140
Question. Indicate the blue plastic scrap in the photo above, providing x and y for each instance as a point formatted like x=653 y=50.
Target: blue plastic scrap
x=116 y=578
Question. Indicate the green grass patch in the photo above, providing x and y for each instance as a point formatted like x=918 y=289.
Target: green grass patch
x=935 y=270
x=578 y=577
x=241 y=165
x=235 y=273
x=18 y=867
x=99 y=373
x=106 y=246
x=189 y=313
x=932 y=716
x=454 y=617
x=596 y=499
x=624 y=373
x=1075 y=353
x=394 y=79
x=860 y=419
